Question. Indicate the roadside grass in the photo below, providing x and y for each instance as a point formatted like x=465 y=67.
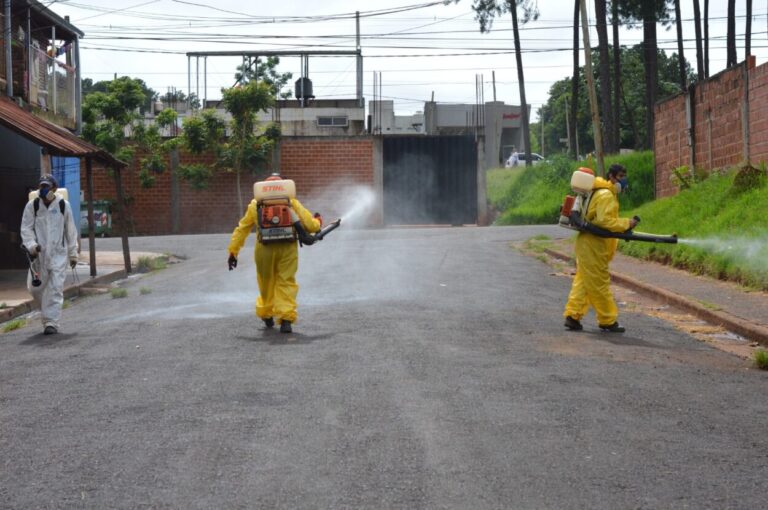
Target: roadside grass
x=3 y=305
x=498 y=182
x=721 y=229
x=147 y=264
x=534 y=196
x=14 y=325
x=145 y=290
x=761 y=359
x=118 y=293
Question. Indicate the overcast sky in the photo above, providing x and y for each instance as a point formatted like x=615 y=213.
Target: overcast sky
x=418 y=50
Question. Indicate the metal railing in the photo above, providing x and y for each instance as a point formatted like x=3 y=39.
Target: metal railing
x=53 y=85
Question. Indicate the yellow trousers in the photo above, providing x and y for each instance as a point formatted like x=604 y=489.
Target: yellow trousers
x=592 y=283
x=276 y=266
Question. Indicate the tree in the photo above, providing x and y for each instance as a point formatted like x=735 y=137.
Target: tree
x=649 y=12
x=175 y=97
x=266 y=71
x=632 y=129
x=244 y=149
x=574 y=108
x=730 y=51
x=485 y=12
x=109 y=112
x=748 y=31
x=616 y=75
x=604 y=67
x=706 y=38
x=680 y=55
x=149 y=95
x=699 y=49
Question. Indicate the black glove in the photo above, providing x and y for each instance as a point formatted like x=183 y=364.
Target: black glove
x=73 y=263
x=232 y=261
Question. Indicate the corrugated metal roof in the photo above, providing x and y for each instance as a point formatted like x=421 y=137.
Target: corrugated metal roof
x=58 y=141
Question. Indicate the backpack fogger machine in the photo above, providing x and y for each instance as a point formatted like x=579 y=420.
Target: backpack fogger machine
x=574 y=210
x=277 y=221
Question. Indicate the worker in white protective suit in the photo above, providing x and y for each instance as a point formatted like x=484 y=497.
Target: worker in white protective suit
x=49 y=234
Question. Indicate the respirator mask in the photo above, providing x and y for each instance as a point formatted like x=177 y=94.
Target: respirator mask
x=621 y=185
x=46 y=193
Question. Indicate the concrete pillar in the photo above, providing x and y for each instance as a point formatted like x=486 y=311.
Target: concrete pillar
x=377 y=217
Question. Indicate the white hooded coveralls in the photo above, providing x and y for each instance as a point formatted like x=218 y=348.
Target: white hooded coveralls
x=56 y=234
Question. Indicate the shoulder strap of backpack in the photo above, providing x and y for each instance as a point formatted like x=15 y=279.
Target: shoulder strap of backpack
x=36 y=205
x=62 y=205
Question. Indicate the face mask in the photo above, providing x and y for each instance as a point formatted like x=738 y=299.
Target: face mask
x=621 y=185
x=46 y=193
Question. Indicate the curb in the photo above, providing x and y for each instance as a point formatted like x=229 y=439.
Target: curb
x=743 y=327
x=27 y=306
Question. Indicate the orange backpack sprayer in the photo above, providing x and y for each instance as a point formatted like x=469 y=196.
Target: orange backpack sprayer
x=574 y=210
x=278 y=222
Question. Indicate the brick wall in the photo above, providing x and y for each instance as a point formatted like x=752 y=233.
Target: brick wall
x=330 y=173
x=717 y=105
x=326 y=171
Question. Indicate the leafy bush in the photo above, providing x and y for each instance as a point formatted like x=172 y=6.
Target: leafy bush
x=197 y=175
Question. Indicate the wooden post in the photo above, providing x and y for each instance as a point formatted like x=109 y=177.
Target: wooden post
x=596 y=127
x=123 y=219
x=91 y=229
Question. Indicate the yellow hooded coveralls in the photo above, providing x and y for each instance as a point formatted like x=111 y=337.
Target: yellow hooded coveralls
x=591 y=285
x=276 y=264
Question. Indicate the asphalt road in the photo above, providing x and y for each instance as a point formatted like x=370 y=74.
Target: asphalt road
x=429 y=369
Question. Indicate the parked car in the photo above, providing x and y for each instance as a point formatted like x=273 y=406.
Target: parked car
x=535 y=158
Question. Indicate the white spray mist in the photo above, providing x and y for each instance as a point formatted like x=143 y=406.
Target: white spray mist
x=749 y=252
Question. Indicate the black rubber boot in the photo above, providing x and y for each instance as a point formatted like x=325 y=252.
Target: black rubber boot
x=573 y=324
x=269 y=322
x=285 y=327
x=614 y=328
x=50 y=330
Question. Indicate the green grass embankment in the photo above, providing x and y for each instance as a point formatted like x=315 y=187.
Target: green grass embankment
x=533 y=195
x=726 y=222
x=724 y=215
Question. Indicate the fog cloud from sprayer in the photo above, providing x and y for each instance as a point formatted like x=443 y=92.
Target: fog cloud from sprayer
x=750 y=253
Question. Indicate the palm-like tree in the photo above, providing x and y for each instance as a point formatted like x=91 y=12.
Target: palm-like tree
x=485 y=11
x=574 y=83
x=605 y=73
x=680 y=56
x=699 y=50
x=730 y=51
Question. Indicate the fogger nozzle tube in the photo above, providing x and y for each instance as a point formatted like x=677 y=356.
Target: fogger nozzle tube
x=629 y=235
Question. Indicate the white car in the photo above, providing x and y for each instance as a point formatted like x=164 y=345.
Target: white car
x=521 y=158
x=535 y=158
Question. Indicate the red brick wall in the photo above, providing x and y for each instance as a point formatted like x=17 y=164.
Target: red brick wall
x=325 y=171
x=329 y=172
x=719 y=142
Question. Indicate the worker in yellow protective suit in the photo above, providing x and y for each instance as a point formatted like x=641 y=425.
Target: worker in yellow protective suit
x=591 y=285
x=276 y=264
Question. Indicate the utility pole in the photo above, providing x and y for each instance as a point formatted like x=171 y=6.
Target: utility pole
x=493 y=78
x=596 y=127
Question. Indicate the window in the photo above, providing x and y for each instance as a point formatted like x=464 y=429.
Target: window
x=333 y=121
